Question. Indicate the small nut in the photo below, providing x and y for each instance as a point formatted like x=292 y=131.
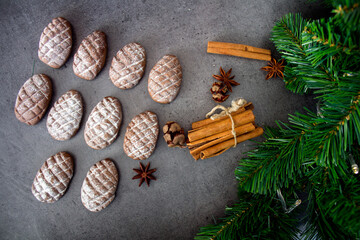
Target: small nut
x=179 y=139
x=174 y=127
x=167 y=137
x=218 y=87
x=174 y=135
x=219 y=97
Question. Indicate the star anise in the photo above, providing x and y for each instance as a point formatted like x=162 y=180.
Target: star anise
x=274 y=68
x=144 y=174
x=225 y=77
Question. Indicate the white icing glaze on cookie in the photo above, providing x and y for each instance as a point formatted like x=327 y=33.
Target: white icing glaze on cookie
x=53 y=178
x=103 y=123
x=128 y=66
x=165 y=79
x=99 y=186
x=55 y=43
x=65 y=116
x=90 y=57
x=141 y=136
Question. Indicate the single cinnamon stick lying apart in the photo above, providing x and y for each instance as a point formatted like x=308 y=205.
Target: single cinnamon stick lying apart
x=239 y=50
x=223 y=146
x=225 y=136
x=202 y=123
x=221 y=126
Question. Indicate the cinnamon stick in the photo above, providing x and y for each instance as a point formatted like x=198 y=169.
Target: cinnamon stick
x=223 y=146
x=226 y=136
x=239 y=50
x=207 y=121
x=202 y=141
x=221 y=126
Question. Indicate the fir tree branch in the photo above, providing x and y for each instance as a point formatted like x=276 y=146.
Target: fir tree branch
x=326 y=44
x=320 y=226
x=275 y=163
x=299 y=71
x=255 y=216
x=341 y=118
x=278 y=161
x=342 y=205
x=333 y=208
x=347 y=13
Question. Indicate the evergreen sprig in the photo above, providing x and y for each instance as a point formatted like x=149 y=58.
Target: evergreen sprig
x=311 y=151
x=255 y=216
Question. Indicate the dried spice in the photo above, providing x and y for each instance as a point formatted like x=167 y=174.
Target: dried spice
x=174 y=135
x=218 y=87
x=144 y=174
x=275 y=69
x=226 y=79
x=218 y=91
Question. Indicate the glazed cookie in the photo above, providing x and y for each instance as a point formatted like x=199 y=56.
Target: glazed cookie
x=165 y=79
x=103 y=123
x=33 y=99
x=65 y=116
x=53 y=178
x=90 y=57
x=55 y=43
x=128 y=66
x=141 y=136
x=99 y=186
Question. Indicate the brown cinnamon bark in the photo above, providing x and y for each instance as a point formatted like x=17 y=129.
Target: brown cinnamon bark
x=225 y=136
x=221 y=126
x=207 y=121
x=223 y=146
x=239 y=50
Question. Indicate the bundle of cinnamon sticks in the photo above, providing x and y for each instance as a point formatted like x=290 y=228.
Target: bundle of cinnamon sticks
x=209 y=138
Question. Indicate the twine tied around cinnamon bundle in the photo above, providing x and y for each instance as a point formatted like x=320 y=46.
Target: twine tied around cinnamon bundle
x=235 y=105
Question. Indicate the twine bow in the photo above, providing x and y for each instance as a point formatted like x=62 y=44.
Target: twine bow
x=235 y=105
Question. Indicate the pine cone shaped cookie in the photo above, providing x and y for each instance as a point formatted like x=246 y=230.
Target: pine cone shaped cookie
x=33 y=99
x=65 y=116
x=165 y=79
x=55 y=43
x=128 y=66
x=141 y=136
x=53 y=178
x=90 y=57
x=103 y=123
x=99 y=187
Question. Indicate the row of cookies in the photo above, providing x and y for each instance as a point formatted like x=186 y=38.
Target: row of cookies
x=103 y=123
x=127 y=66
x=54 y=176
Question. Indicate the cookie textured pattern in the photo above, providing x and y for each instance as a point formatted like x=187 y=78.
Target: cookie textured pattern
x=33 y=99
x=55 y=43
x=128 y=66
x=90 y=57
x=53 y=178
x=99 y=186
x=65 y=116
x=141 y=136
x=165 y=79
x=103 y=123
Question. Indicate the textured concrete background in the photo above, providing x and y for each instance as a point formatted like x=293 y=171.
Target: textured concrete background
x=187 y=194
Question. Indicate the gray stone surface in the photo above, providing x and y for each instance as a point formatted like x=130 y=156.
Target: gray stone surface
x=187 y=194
